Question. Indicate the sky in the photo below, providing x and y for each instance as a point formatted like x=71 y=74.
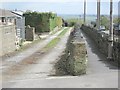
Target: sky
x=59 y=6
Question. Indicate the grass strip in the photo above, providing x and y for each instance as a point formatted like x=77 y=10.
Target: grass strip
x=54 y=42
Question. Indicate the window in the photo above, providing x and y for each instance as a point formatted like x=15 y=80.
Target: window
x=3 y=19
x=15 y=21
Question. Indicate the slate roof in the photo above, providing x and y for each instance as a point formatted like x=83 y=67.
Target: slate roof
x=6 y=13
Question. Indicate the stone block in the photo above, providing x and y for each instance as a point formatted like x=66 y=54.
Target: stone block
x=77 y=60
x=30 y=33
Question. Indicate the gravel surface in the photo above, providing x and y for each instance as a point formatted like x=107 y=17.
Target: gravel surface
x=100 y=74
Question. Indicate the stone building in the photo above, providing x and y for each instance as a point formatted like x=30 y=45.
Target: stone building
x=12 y=31
x=7 y=32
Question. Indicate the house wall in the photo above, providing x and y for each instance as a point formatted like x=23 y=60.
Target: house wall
x=7 y=39
x=0 y=41
x=0 y=20
x=7 y=21
x=20 y=25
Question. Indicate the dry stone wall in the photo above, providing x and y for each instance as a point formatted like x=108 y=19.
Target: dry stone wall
x=101 y=41
x=29 y=33
x=76 y=53
x=74 y=60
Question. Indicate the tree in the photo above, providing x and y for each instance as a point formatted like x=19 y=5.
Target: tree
x=104 y=21
x=116 y=20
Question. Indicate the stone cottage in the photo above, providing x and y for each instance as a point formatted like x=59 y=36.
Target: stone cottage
x=7 y=32
x=12 y=30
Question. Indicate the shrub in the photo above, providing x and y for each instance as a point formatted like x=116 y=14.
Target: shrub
x=43 y=22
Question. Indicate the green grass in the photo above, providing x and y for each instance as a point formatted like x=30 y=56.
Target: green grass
x=63 y=32
x=54 y=42
x=49 y=45
x=53 y=32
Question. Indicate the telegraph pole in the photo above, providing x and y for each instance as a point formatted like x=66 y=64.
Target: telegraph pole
x=110 y=47
x=98 y=14
x=84 y=12
x=119 y=19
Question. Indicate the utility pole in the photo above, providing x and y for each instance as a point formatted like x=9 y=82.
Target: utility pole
x=98 y=14
x=84 y=12
x=119 y=19
x=110 y=43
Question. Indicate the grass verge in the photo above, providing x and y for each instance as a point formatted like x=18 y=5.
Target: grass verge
x=54 y=42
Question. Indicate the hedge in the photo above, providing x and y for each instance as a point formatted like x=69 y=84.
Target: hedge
x=43 y=22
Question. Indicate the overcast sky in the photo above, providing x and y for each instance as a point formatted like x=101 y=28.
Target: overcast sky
x=59 y=6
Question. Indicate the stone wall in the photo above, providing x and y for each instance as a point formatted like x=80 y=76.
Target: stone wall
x=76 y=54
x=7 y=39
x=29 y=33
x=101 y=41
x=73 y=61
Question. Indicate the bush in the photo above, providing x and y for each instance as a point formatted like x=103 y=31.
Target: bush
x=104 y=21
x=72 y=24
x=74 y=21
x=43 y=22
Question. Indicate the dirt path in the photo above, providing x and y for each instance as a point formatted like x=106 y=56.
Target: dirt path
x=40 y=64
x=28 y=52
x=13 y=60
x=100 y=74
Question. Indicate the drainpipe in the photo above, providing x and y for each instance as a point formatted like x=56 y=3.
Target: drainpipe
x=84 y=12
x=98 y=14
x=110 y=39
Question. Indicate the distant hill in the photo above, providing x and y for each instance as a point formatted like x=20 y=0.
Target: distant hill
x=89 y=18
